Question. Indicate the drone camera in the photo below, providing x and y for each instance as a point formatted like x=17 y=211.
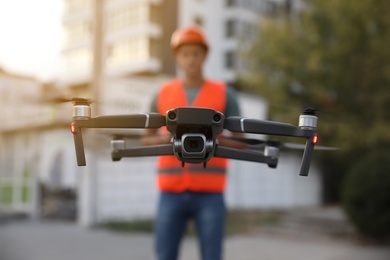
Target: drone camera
x=194 y=146
x=194 y=143
x=194 y=132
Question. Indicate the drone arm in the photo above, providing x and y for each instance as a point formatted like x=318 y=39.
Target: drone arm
x=237 y=124
x=245 y=155
x=257 y=126
x=155 y=150
x=153 y=137
x=151 y=120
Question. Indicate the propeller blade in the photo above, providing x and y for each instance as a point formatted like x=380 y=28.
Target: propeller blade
x=132 y=136
x=295 y=146
x=326 y=148
x=61 y=100
x=77 y=100
x=58 y=100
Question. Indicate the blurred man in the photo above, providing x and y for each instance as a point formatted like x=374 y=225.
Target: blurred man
x=192 y=191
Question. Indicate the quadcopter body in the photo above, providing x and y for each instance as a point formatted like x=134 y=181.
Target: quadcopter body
x=194 y=135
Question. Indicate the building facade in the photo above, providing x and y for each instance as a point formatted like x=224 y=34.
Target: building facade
x=131 y=37
x=25 y=121
x=121 y=48
x=231 y=25
x=118 y=52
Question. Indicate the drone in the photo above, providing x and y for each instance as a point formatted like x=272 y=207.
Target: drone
x=194 y=134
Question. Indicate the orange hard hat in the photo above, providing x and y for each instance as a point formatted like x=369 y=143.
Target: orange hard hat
x=188 y=35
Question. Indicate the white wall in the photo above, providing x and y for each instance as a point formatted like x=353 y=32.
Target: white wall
x=127 y=189
x=214 y=15
x=254 y=185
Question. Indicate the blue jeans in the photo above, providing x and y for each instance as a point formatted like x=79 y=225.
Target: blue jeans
x=175 y=209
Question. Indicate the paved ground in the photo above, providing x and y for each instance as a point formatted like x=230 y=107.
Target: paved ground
x=27 y=240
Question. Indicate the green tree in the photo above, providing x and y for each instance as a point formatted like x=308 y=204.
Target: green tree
x=334 y=56
x=366 y=197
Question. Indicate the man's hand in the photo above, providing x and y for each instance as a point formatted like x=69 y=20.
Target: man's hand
x=153 y=137
x=232 y=143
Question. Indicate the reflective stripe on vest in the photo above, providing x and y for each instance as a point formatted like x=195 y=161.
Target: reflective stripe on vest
x=171 y=175
x=193 y=169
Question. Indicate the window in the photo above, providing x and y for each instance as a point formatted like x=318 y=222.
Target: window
x=127 y=17
x=73 y=6
x=128 y=51
x=78 y=33
x=79 y=60
x=230 y=2
x=270 y=7
x=230 y=28
x=248 y=30
x=230 y=60
x=252 y=5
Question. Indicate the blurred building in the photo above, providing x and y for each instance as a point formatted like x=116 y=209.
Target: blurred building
x=231 y=26
x=132 y=36
x=25 y=123
x=117 y=53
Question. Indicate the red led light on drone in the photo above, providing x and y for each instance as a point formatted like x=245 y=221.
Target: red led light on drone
x=73 y=128
x=315 y=139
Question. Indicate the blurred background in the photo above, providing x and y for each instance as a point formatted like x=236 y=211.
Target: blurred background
x=279 y=55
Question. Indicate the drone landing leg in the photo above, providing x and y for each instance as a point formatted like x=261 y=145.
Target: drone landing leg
x=79 y=146
x=306 y=158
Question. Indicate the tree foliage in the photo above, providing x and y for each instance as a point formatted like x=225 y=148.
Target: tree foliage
x=366 y=196
x=334 y=56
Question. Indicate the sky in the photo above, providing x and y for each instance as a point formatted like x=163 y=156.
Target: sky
x=31 y=37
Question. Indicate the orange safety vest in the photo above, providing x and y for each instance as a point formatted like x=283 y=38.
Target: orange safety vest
x=172 y=177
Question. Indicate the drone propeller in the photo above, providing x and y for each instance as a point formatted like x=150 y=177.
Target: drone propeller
x=61 y=99
x=75 y=101
x=81 y=101
x=295 y=146
x=279 y=144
